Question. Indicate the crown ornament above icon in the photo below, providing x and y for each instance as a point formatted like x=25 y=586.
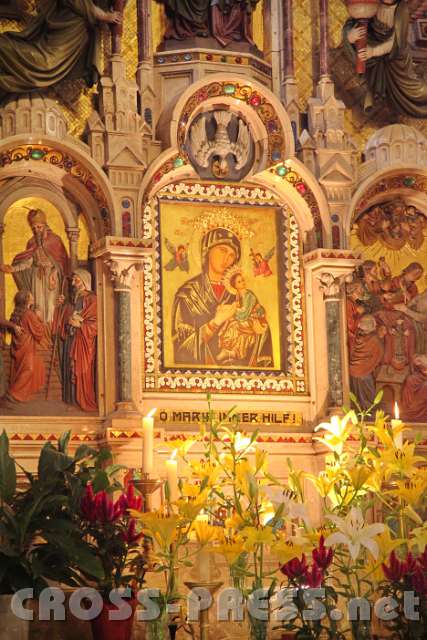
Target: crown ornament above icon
x=223 y=218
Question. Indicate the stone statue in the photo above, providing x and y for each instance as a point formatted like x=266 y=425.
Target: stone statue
x=216 y=152
x=390 y=72
x=225 y=20
x=60 y=42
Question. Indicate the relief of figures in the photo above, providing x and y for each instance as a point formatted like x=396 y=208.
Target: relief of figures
x=48 y=353
x=387 y=309
x=222 y=315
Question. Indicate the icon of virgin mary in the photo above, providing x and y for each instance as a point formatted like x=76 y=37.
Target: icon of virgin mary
x=204 y=305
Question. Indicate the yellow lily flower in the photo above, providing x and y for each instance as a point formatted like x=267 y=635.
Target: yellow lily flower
x=190 y=490
x=255 y=536
x=204 y=532
x=158 y=526
x=287 y=549
x=203 y=470
x=261 y=460
x=230 y=549
x=359 y=475
x=419 y=538
x=387 y=544
x=400 y=461
x=323 y=483
x=411 y=490
x=245 y=478
x=182 y=447
x=234 y=522
x=190 y=509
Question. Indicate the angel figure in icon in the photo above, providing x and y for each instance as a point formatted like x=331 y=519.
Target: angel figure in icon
x=179 y=258
x=262 y=263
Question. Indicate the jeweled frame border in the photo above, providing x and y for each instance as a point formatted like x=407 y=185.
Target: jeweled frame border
x=294 y=380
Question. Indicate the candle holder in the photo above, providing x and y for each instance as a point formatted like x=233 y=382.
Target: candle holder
x=147 y=487
x=212 y=587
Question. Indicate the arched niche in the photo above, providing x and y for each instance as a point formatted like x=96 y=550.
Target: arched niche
x=68 y=168
x=407 y=182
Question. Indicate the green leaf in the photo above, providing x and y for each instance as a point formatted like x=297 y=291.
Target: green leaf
x=103 y=457
x=51 y=461
x=64 y=441
x=7 y=470
x=100 y=481
x=80 y=553
x=83 y=451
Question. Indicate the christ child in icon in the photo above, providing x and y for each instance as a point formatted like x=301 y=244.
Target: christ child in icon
x=239 y=335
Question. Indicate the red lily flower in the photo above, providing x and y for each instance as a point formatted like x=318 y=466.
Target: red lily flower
x=129 y=500
x=410 y=565
x=323 y=556
x=295 y=568
x=314 y=577
x=419 y=582
x=87 y=504
x=423 y=559
x=396 y=570
x=131 y=536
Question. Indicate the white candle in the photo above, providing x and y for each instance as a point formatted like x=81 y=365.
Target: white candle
x=172 y=477
x=398 y=437
x=204 y=566
x=148 y=442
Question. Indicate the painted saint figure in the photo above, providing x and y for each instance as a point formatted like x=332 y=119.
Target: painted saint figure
x=239 y=338
x=390 y=72
x=28 y=375
x=42 y=267
x=202 y=306
x=77 y=327
x=60 y=42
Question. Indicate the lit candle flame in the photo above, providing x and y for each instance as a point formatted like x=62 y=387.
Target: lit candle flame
x=152 y=412
x=396 y=411
x=174 y=454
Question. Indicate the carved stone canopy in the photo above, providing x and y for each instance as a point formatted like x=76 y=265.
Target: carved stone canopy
x=32 y=114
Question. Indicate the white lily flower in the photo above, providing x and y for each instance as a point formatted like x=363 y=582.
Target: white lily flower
x=354 y=533
x=242 y=442
x=293 y=509
x=337 y=432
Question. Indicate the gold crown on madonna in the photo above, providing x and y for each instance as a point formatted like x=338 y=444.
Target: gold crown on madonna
x=223 y=218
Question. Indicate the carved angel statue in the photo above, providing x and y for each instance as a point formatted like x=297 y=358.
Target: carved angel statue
x=205 y=150
x=179 y=258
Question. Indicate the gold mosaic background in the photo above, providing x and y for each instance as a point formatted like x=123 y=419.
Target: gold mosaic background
x=79 y=100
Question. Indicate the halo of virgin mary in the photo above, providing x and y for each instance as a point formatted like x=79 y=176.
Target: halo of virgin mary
x=60 y=42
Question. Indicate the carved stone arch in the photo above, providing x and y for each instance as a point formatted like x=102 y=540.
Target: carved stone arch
x=275 y=167
x=399 y=181
x=257 y=105
x=70 y=167
x=25 y=187
x=298 y=188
